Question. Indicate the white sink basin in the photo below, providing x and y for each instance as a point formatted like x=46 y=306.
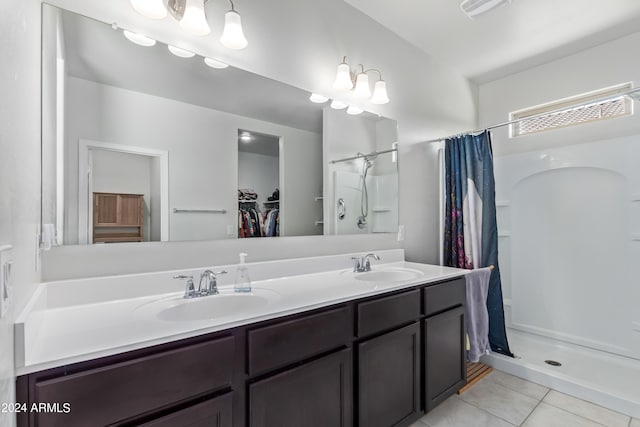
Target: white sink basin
x=389 y=275
x=226 y=303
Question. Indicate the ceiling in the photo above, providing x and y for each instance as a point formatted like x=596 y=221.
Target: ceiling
x=512 y=38
x=259 y=143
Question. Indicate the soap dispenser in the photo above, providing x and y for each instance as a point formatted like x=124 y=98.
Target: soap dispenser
x=243 y=282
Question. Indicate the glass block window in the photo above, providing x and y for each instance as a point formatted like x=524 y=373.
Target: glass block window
x=590 y=107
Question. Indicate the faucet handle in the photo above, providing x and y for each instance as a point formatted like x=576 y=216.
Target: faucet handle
x=190 y=290
x=212 y=288
x=357 y=264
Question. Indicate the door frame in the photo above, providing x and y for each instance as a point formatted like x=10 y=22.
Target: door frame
x=85 y=184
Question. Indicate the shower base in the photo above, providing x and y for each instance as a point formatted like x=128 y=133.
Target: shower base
x=603 y=378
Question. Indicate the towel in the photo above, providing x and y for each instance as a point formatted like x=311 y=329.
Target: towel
x=476 y=317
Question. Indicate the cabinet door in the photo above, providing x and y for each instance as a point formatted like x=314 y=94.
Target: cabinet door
x=105 y=209
x=445 y=370
x=215 y=412
x=316 y=394
x=129 y=209
x=389 y=378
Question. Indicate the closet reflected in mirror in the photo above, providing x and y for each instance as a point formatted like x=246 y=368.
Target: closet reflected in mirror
x=258 y=185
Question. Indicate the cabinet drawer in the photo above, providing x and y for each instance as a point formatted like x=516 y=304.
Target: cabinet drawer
x=287 y=342
x=115 y=392
x=215 y=412
x=443 y=296
x=388 y=312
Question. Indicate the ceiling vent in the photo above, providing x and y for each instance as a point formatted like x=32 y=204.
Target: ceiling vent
x=473 y=8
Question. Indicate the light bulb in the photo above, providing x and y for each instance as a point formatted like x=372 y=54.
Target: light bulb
x=318 y=99
x=232 y=35
x=362 y=89
x=182 y=53
x=194 y=20
x=354 y=111
x=214 y=63
x=153 y=9
x=343 y=78
x=338 y=105
x=380 y=93
x=139 y=39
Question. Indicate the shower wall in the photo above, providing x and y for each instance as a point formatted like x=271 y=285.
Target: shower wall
x=569 y=228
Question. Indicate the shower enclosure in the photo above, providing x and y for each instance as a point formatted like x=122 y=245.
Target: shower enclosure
x=569 y=230
x=365 y=195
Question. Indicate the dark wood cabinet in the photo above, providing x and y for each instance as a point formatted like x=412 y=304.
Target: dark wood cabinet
x=376 y=361
x=316 y=394
x=116 y=392
x=445 y=365
x=389 y=378
x=216 y=412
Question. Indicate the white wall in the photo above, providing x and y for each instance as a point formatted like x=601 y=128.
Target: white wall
x=606 y=65
x=587 y=292
x=115 y=172
x=19 y=165
x=202 y=145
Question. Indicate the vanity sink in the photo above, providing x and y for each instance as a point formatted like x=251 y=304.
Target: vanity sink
x=389 y=275
x=226 y=303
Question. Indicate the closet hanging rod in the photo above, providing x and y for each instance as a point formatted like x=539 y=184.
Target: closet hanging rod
x=220 y=211
x=628 y=92
x=359 y=156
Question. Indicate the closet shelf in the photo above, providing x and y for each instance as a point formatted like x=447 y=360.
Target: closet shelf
x=319 y=223
x=318 y=198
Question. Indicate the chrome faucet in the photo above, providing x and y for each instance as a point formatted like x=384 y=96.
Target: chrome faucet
x=210 y=288
x=363 y=264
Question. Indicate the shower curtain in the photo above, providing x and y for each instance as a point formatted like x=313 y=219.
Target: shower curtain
x=470 y=226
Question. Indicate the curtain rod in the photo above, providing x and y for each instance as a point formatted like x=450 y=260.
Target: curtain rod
x=535 y=116
x=360 y=155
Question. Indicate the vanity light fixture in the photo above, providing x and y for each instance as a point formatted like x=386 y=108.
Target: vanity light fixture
x=354 y=111
x=344 y=82
x=139 y=39
x=318 y=99
x=232 y=35
x=338 y=105
x=192 y=18
x=214 y=63
x=343 y=77
x=182 y=53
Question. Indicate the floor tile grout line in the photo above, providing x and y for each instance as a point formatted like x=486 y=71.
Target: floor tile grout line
x=536 y=407
x=591 y=403
x=489 y=380
x=487 y=412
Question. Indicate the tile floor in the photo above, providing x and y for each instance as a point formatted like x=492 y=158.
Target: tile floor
x=502 y=400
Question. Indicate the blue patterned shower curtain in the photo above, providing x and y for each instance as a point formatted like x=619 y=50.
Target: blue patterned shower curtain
x=470 y=227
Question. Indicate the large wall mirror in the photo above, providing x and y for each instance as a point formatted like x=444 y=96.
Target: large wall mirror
x=142 y=145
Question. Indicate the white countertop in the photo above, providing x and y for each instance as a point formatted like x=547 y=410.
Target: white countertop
x=50 y=333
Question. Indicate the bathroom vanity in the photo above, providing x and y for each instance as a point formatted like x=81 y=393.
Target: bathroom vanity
x=357 y=351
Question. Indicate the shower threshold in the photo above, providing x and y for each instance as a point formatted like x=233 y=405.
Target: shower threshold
x=602 y=378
